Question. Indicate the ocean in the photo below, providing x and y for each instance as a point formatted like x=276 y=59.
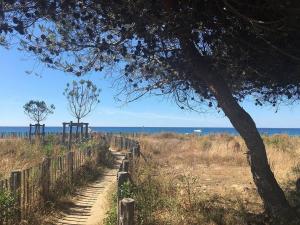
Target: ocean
x=151 y=130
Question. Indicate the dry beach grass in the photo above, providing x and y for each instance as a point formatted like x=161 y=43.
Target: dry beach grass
x=188 y=179
x=207 y=180
x=17 y=153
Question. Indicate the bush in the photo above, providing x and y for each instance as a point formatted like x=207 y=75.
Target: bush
x=7 y=207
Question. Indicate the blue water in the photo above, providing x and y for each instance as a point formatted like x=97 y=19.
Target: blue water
x=181 y=130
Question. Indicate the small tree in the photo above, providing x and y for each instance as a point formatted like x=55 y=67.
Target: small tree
x=82 y=96
x=38 y=110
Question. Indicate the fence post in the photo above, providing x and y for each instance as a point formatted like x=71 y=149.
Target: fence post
x=128 y=156
x=126 y=212
x=45 y=178
x=122 y=178
x=70 y=160
x=87 y=131
x=15 y=188
x=43 y=132
x=30 y=132
x=70 y=135
x=125 y=165
x=64 y=133
x=136 y=151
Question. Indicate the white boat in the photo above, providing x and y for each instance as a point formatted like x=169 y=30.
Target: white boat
x=198 y=131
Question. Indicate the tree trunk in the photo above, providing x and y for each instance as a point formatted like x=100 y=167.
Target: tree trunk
x=78 y=120
x=269 y=190
x=37 y=128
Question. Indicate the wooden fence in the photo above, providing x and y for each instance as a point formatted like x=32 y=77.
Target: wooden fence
x=125 y=206
x=122 y=142
x=25 y=134
x=33 y=187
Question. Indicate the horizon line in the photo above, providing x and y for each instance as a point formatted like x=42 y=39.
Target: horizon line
x=160 y=127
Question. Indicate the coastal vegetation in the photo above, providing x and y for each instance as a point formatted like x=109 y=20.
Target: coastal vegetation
x=187 y=179
x=191 y=180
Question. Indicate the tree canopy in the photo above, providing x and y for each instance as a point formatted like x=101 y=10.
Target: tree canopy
x=38 y=110
x=82 y=98
x=254 y=46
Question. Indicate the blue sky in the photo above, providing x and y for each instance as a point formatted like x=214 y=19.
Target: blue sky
x=17 y=87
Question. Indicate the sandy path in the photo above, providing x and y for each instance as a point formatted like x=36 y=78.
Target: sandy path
x=90 y=205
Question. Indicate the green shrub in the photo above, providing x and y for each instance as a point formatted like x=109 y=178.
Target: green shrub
x=48 y=149
x=7 y=207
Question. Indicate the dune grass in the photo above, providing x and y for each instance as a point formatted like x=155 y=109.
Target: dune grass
x=17 y=153
x=191 y=179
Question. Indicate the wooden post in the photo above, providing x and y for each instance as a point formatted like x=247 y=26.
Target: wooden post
x=70 y=160
x=123 y=143
x=45 y=178
x=125 y=165
x=122 y=178
x=15 y=181
x=135 y=152
x=126 y=215
x=81 y=131
x=115 y=141
x=43 y=132
x=128 y=156
x=15 y=188
x=64 y=133
x=86 y=130
x=30 y=132
x=70 y=135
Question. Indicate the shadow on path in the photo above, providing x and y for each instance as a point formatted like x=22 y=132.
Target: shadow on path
x=88 y=207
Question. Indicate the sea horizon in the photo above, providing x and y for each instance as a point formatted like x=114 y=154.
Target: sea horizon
x=3 y=126
x=151 y=130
